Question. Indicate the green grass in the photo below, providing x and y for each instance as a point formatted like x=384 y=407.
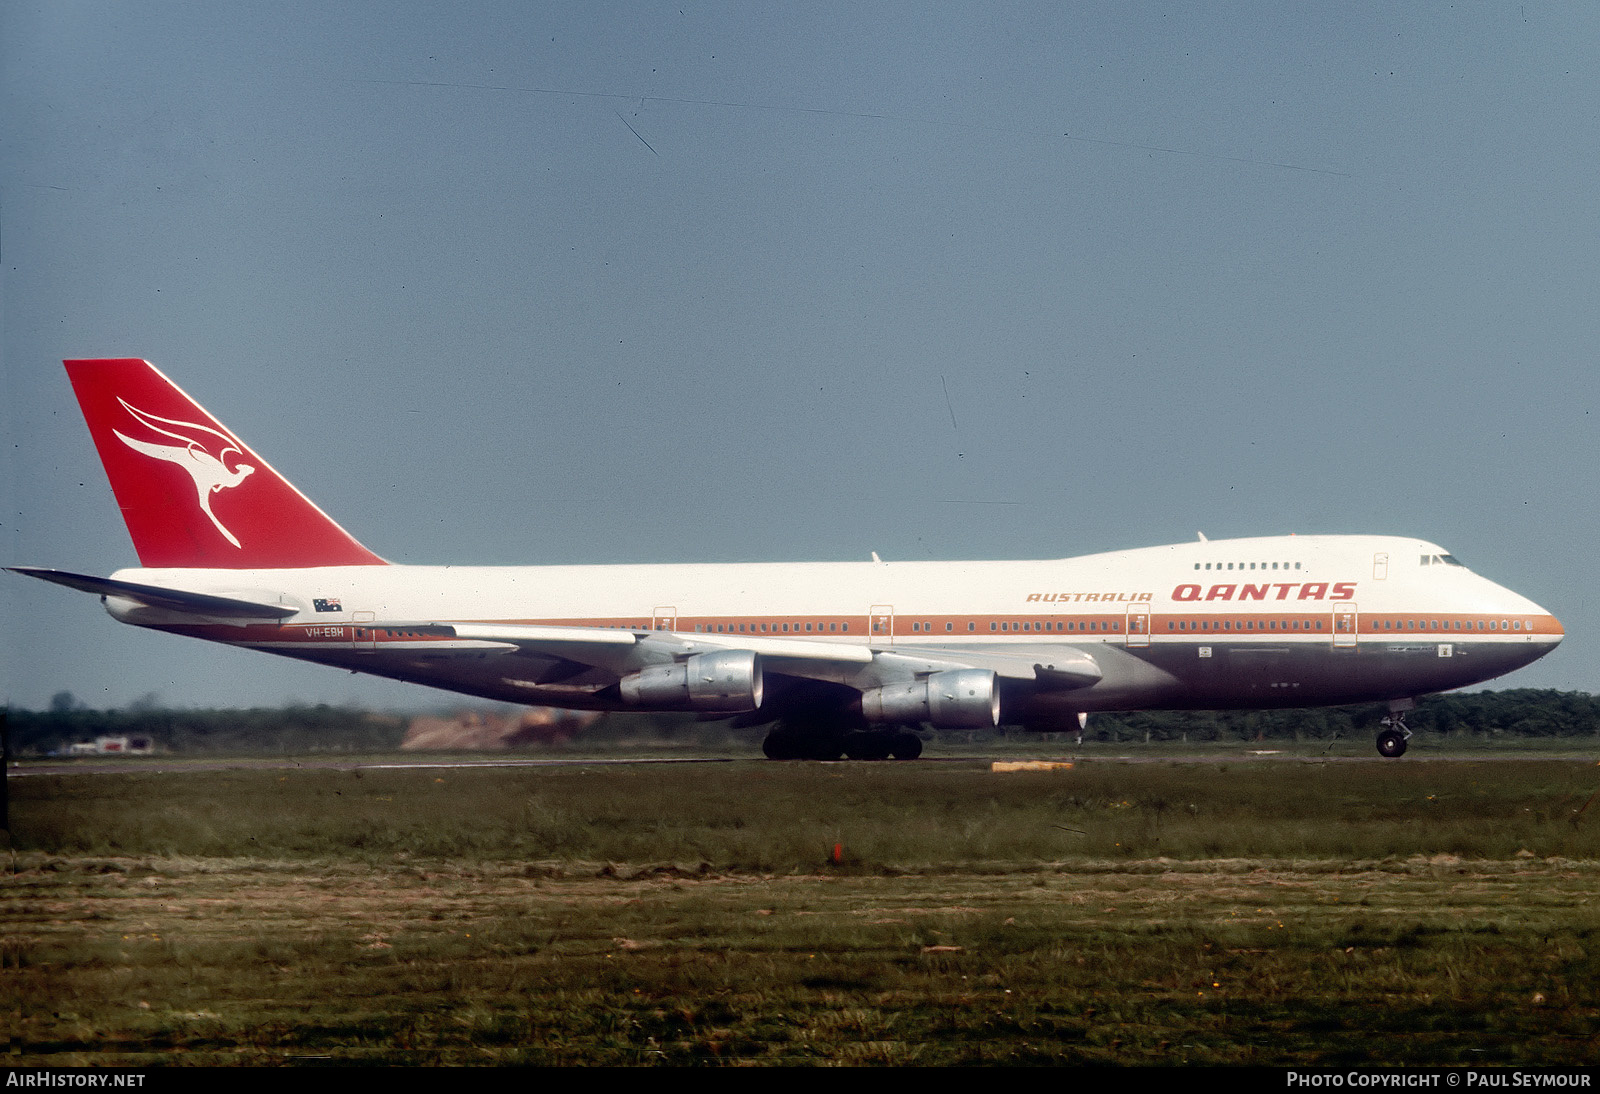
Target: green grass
x=779 y=817
x=1154 y=912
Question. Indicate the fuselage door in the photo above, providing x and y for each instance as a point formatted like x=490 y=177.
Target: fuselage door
x=1346 y=620
x=1138 y=626
x=1380 y=566
x=364 y=636
x=880 y=623
x=664 y=618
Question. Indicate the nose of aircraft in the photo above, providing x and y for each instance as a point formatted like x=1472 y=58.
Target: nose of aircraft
x=1541 y=630
x=1546 y=627
x=1556 y=631
x=1534 y=631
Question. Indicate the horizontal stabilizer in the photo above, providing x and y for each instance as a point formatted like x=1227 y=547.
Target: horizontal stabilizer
x=172 y=600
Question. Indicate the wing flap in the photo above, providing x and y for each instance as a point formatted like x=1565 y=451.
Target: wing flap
x=1068 y=666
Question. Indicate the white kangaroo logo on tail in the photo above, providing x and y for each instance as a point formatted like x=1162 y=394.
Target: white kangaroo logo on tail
x=210 y=473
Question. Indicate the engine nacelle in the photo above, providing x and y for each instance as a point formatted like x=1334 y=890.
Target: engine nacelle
x=955 y=699
x=729 y=680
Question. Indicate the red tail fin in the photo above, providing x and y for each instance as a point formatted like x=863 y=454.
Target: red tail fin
x=192 y=494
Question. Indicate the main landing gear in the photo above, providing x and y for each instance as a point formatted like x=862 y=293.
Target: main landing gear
x=867 y=744
x=1392 y=738
x=881 y=744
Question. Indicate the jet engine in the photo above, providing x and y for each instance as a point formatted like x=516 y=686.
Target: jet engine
x=955 y=699
x=729 y=680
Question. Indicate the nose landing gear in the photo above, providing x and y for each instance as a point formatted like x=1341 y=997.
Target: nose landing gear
x=1392 y=738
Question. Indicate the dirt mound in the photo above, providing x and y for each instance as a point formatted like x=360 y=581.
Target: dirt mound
x=472 y=730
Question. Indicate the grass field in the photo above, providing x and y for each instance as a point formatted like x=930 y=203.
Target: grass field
x=1196 y=911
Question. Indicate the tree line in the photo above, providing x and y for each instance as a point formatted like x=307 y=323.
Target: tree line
x=301 y=729
x=276 y=730
x=1513 y=714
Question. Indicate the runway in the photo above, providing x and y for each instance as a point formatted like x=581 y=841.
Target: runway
x=162 y=765
x=173 y=766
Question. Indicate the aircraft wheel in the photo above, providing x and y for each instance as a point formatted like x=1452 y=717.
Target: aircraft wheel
x=804 y=742
x=907 y=746
x=867 y=746
x=779 y=746
x=1391 y=744
x=828 y=746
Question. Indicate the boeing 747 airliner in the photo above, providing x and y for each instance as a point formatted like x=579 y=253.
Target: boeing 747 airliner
x=840 y=658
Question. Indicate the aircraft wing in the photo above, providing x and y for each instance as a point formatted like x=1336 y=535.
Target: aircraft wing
x=853 y=664
x=624 y=651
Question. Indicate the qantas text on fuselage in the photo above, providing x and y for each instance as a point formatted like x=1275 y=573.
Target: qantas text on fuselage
x=839 y=658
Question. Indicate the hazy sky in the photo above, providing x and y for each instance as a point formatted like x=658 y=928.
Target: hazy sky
x=514 y=283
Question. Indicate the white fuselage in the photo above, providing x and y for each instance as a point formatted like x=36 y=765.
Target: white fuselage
x=1269 y=622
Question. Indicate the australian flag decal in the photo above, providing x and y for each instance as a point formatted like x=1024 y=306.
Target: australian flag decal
x=327 y=604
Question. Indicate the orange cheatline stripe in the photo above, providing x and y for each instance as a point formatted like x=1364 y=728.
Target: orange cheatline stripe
x=1076 y=627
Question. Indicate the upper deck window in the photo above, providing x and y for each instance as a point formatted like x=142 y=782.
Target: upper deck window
x=1266 y=565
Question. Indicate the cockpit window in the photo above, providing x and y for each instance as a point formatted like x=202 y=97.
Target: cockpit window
x=1441 y=560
